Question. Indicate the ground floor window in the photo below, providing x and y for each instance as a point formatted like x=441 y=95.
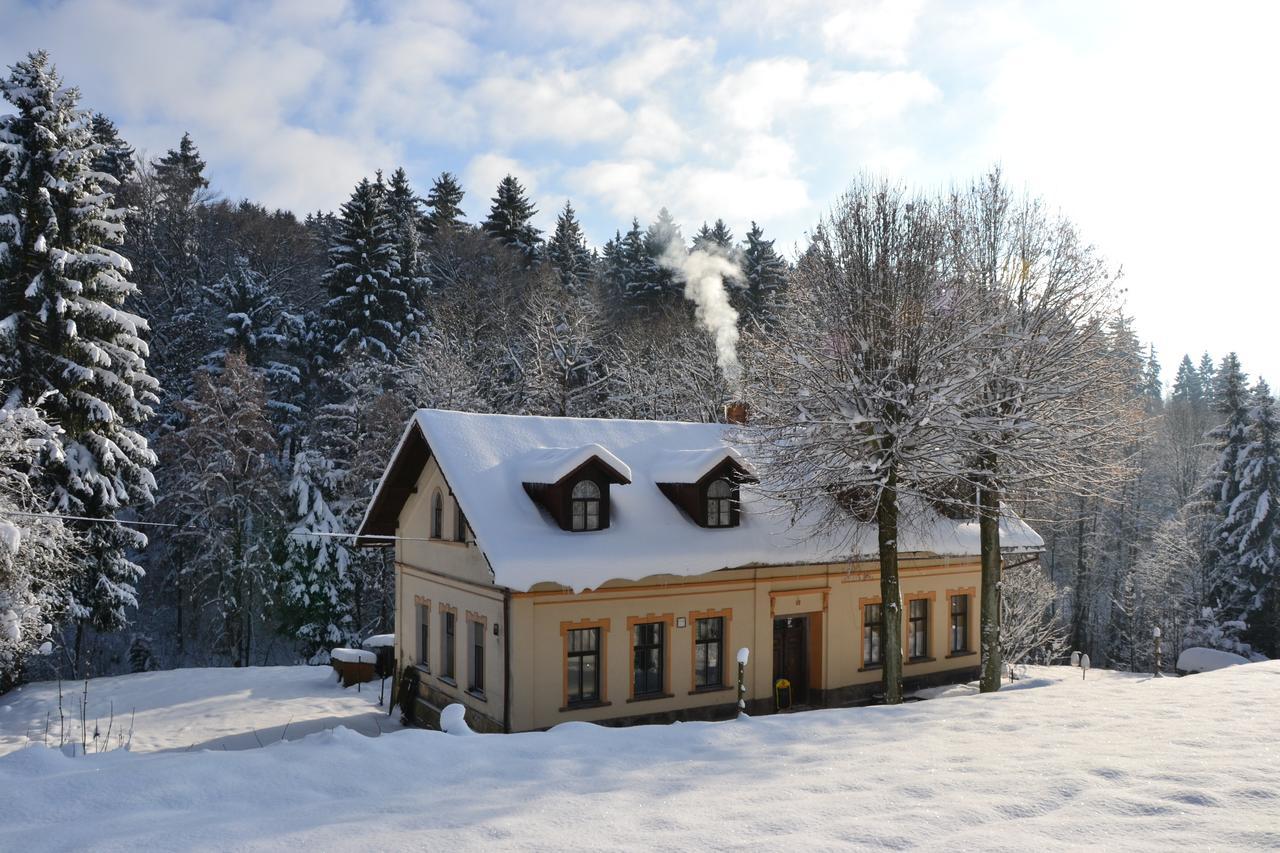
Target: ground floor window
x=448 y=643
x=584 y=665
x=424 y=634
x=648 y=645
x=476 y=673
x=708 y=652
x=959 y=623
x=872 y=635
x=918 y=628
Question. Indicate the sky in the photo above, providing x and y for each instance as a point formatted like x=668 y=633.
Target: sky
x=1151 y=124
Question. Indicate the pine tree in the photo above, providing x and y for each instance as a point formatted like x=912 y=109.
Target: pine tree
x=567 y=250
x=510 y=220
x=315 y=589
x=1187 y=387
x=614 y=269
x=115 y=156
x=1252 y=526
x=366 y=310
x=181 y=173
x=718 y=236
x=1152 y=387
x=764 y=271
x=1230 y=438
x=1208 y=376
x=256 y=326
x=443 y=203
x=637 y=268
x=405 y=210
x=66 y=343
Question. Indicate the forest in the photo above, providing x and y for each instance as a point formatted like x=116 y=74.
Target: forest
x=198 y=394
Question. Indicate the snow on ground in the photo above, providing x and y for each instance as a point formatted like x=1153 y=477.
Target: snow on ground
x=1112 y=763
x=216 y=708
x=1207 y=660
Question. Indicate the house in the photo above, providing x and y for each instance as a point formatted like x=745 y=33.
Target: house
x=556 y=569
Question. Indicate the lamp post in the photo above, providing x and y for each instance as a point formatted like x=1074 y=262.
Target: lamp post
x=1155 y=636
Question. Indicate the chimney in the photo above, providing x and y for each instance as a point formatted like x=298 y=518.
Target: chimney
x=737 y=412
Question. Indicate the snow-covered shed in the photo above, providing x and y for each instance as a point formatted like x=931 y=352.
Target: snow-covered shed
x=548 y=542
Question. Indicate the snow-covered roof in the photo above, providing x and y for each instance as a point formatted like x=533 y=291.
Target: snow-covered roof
x=690 y=466
x=487 y=458
x=551 y=464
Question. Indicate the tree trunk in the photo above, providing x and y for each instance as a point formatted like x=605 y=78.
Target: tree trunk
x=989 y=536
x=890 y=592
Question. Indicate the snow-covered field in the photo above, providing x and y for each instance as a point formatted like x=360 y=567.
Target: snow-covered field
x=1111 y=763
x=219 y=708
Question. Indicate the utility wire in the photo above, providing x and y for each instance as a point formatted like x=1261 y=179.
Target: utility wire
x=318 y=533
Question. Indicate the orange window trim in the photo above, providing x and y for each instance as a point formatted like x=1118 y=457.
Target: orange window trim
x=972 y=593
x=694 y=616
x=668 y=634
x=565 y=628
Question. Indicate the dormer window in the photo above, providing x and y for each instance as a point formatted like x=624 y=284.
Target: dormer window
x=719 y=504
x=586 y=505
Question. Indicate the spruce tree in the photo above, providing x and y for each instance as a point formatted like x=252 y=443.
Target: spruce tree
x=718 y=236
x=405 y=210
x=510 y=220
x=367 y=307
x=1187 y=387
x=567 y=250
x=1230 y=438
x=115 y=156
x=443 y=203
x=637 y=268
x=181 y=173
x=67 y=346
x=663 y=236
x=764 y=270
x=1253 y=526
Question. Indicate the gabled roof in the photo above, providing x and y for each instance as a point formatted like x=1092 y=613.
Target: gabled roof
x=487 y=459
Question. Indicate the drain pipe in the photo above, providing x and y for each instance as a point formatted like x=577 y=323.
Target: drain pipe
x=506 y=661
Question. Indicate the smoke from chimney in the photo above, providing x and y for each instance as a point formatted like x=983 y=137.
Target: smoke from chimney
x=703 y=273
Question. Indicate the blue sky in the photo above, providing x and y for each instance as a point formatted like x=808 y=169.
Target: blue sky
x=1151 y=124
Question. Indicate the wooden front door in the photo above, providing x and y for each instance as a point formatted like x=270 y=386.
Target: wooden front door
x=791 y=655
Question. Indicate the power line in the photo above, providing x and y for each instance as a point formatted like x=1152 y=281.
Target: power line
x=317 y=533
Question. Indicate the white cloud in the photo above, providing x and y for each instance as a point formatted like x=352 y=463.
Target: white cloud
x=553 y=105
x=655 y=59
x=876 y=30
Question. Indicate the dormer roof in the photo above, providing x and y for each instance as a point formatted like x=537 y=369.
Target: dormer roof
x=553 y=464
x=692 y=466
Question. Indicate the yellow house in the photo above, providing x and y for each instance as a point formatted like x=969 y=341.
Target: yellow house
x=556 y=569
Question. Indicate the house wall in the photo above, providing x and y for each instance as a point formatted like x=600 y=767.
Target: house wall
x=830 y=596
x=447 y=576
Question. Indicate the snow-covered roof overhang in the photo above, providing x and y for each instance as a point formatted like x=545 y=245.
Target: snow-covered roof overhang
x=690 y=466
x=487 y=459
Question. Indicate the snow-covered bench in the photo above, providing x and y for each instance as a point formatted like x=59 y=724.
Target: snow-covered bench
x=354 y=666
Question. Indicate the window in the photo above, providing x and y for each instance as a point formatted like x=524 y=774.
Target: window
x=437 y=516
x=708 y=652
x=719 y=503
x=476 y=675
x=647 y=643
x=424 y=636
x=959 y=623
x=584 y=665
x=447 y=644
x=872 y=635
x=459 y=523
x=918 y=628
x=586 y=505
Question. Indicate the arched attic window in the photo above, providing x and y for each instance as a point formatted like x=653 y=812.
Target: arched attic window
x=719 y=504
x=585 y=505
x=437 y=516
x=459 y=523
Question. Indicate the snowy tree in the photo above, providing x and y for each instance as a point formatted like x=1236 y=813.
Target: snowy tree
x=1030 y=628
x=1047 y=403
x=115 y=156
x=714 y=237
x=315 y=588
x=510 y=220
x=663 y=236
x=764 y=272
x=405 y=209
x=367 y=307
x=1186 y=421
x=638 y=272
x=443 y=200
x=1252 y=528
x=1222 y=488
x=565 y=353
x=567 y=251
x=221 y=484
x=37 y=552
x=850 y=397
x=66 y=343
